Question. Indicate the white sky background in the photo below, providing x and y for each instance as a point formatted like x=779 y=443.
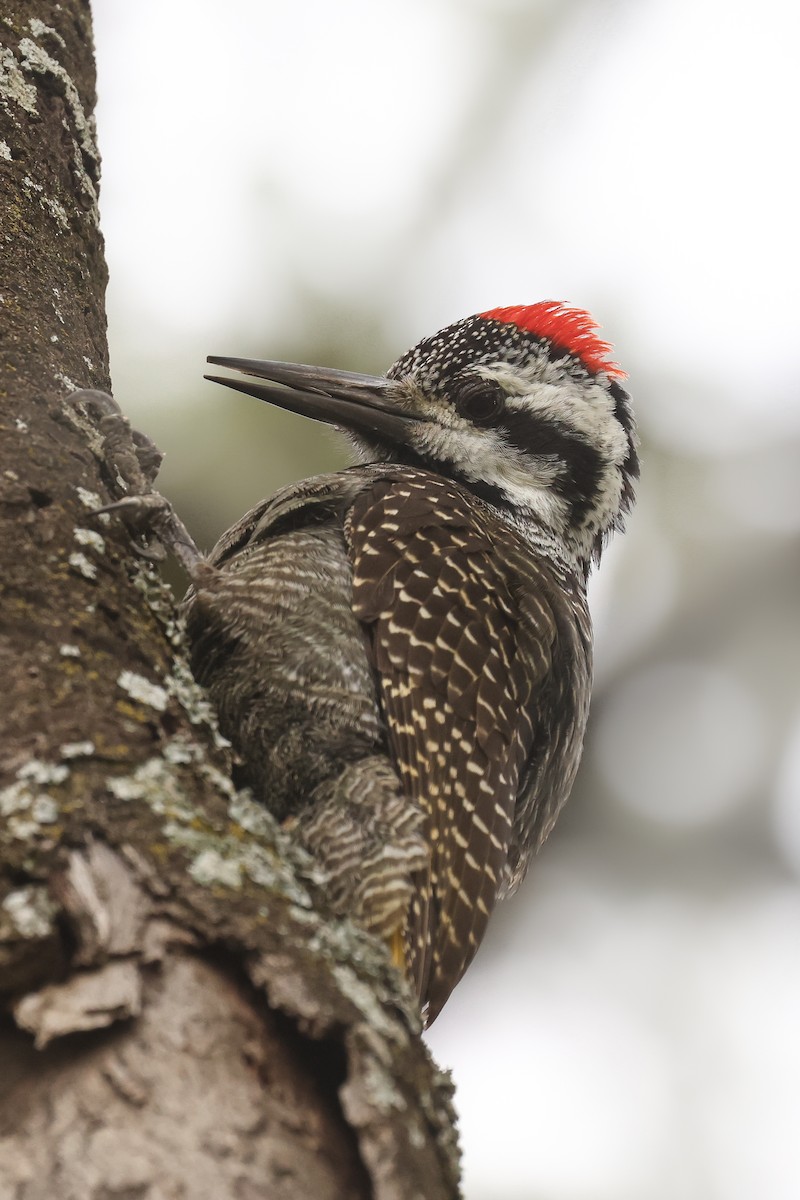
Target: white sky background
x=630 y=1031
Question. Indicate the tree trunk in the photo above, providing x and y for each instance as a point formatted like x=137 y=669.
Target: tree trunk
x=181 y=1016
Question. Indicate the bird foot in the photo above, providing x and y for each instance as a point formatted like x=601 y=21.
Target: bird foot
x=132 y=460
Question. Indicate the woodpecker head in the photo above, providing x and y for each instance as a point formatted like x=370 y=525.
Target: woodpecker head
x=521 y=405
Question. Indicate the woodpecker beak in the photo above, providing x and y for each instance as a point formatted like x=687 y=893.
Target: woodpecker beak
x=365 y=404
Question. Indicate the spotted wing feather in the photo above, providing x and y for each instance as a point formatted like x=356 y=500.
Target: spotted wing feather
x=459 y=661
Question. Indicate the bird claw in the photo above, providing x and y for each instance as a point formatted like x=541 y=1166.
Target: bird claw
x=132 y=461
x=131 y=457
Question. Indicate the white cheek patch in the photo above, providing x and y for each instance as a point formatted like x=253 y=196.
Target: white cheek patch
x=483 y=455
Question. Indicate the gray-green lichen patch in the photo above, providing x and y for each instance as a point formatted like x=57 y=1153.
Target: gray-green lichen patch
x=5 y=150
x=179 y=682
x=153 y=782
x=157 y=782
x=26 y=808
x=68 y=650
x=377 y=1083
x=230 y=861
x=228 y=857
x=14 y=87
x=91 y=538
x=160 y=600
x=37 y=771
x=220 y=782
x=51 y=206
x=252 y=817
x=70 y=750
x=210 y=867
x=183 y=686
x=41 y=31
x=82 y=565
x=143 y=691
x=89 y=499
x=28 y=913
x=37 y=61
x=363 y=997
x=180 y=752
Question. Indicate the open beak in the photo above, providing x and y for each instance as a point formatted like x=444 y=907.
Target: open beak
x=365 y=404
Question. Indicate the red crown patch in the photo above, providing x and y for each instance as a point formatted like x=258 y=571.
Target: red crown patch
x=568 y=328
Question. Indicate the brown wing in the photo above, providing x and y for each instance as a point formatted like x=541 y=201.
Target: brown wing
x=459 y=665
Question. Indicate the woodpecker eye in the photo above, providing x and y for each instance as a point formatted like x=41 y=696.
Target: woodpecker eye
x=480 y=401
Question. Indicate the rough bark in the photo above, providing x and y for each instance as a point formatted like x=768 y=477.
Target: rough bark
x=181 y=1017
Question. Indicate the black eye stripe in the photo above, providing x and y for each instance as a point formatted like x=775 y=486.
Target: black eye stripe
x=581 y=466
x=534 y=434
